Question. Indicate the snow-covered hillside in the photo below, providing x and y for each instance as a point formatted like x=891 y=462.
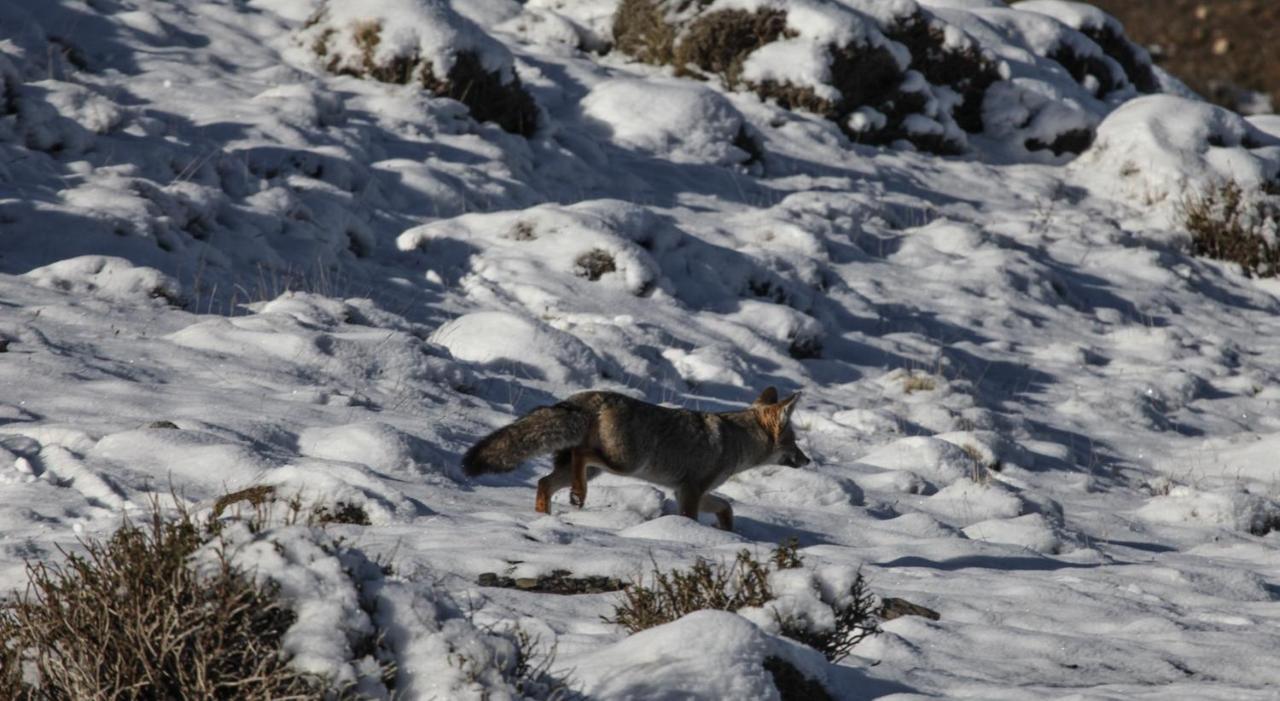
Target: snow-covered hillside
x=256 y=242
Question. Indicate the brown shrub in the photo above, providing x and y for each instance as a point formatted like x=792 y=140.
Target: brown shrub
x=1228 y=223
x=132 y=619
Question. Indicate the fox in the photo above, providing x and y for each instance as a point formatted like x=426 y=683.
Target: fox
x=690 y=452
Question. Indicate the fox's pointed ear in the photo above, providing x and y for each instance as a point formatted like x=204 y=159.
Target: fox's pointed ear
x=789 y=405
x=768 y=396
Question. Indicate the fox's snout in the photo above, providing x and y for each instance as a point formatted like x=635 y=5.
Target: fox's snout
x=794 y=458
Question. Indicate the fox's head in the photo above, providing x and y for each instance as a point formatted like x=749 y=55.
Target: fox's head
x=775 y=417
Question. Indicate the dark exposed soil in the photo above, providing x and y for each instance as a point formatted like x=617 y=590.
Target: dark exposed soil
x=1217 y=47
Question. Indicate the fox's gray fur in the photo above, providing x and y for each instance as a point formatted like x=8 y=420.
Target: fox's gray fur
x=692 y=452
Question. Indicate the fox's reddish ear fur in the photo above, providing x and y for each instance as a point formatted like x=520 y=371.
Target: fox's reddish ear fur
x=774 y=415
x=768 y=396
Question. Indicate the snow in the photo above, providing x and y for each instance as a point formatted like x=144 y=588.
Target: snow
x=1029 y=408
x=684 y=122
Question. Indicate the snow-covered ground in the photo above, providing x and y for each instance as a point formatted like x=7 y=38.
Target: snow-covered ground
x=1028 y=408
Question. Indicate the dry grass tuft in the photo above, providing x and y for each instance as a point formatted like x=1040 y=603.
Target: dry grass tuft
x=131 y=618
x=918 y=382
x=640 y=29
x=1229 y=223
x=669 y=595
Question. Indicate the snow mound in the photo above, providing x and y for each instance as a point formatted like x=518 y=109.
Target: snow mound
x=1032 y=531
x=206 y=465
x=780 y=486
x=109 y=278
x=706 y=655
x=678 y=120
x=377 y=445
x=931 y=458
x=1229 y=507
x=678 y=529
x=1159 y=147
x=520 y=346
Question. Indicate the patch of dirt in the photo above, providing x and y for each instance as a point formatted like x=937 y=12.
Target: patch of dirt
x=1220 y=48
x=558 y=582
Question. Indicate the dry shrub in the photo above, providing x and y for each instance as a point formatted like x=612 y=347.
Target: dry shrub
x=719 y=42
x=263 y=497
x=1228 y=223
x=132 y=619
x=484 y=93
x=744 y=583
x=594 y=264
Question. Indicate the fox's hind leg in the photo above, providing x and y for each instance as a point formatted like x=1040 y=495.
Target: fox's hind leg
x=583 y=470
x=562 y=475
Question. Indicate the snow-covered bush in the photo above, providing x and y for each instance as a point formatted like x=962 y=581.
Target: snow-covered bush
x=424 y=42
x=1106 y=31
x=882 y=73
x=1156 y=148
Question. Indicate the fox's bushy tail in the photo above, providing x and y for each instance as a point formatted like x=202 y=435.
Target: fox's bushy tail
x=543 y=430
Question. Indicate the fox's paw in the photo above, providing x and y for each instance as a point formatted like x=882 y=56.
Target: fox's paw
x=542 y=504
x=578 y=499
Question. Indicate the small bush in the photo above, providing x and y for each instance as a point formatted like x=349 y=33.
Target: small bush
x=1228 y=223
x=594 y=264
x=132 y=619
x=744 y=583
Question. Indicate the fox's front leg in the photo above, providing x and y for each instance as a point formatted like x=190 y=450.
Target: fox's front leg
x=720 y=507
